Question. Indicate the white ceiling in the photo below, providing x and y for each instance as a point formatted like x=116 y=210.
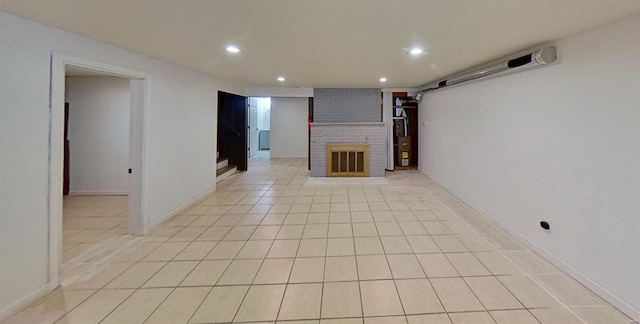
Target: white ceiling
x=324 y=43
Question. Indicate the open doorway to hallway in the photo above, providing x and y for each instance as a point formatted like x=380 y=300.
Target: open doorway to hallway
x=96 y=163
x=260 y=127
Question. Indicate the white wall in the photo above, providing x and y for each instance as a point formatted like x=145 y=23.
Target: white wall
x=289 y=134
x=99 y=113
x=180 y=150
x=560 y=143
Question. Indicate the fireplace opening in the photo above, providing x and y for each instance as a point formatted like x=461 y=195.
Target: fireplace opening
x=347 y=159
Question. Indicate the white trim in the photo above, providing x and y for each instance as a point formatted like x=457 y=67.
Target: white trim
x=200 y=198
x=98 y=193
x=602 y=292
x=56 y=128
x=25 y=302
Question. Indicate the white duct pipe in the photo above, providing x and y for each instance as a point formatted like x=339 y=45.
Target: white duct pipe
x=535 y=57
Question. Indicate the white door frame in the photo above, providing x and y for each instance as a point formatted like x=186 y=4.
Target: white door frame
x=139 y=94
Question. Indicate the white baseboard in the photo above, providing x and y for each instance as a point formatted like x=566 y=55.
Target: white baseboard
x=611 y=298
x=151 y=226
x=26 y=301
x=98 y=192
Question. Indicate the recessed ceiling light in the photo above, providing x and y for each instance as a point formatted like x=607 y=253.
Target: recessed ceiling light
x=233 y=49
x=383 y=79
x=416 y=51
x=281 y=79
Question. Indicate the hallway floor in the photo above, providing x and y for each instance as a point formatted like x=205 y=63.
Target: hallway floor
x=267 y=247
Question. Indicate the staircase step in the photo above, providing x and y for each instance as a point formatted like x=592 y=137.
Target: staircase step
x=225 y=172
x=221 y=163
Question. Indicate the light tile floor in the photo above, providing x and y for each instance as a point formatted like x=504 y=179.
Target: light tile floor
x=266 y=247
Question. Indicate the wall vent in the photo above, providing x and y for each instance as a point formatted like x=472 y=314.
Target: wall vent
x=347 y=159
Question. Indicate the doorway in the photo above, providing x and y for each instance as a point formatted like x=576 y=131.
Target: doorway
x=233 y=129
x=96 y=162
x=260 y=127
x=97 y=213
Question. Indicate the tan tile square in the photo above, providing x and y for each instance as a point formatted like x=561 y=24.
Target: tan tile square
x=497 y=264
x=103 y=277
x=455 y=295
x=340 y=269
x=380 y=298
x=361 y=217
x=405 y=216
x=136 y=276
x=471 y=318
x=385 y=320
x=307 y=270
x=166 y=252
x=265 y=232
x=364 y=229
x=274 y=271
x=214 y=233
x=429 y=319
x=568 y=291
x=290 y=232
x=555 y=316
x=296 y=219
x=475 y=243
x=418 y=297
x=315 y=231
x=273 y=218
x=530 y=263
x=138 y=307
x=240 y=272
x=449 y=243
x=171 y=275
x=340 y=217
x=436 y=227
x=97 y=307
x=188 y=234
x=601 y=314
x=395 y=245
x=528 y=292
x=467 y=264
x=225 y=250
x=423 y=244
x=301 y=301
x=373 y=267
x=436 y=265
x=358 y=206
x=300 y=208
x=261 y=303
x=492 y=294
x=312 y=248
x=318 y=218
x=341 y=299
x=340 y=247
x=196 y=251
x=513 y=316
x=206 y=273
x=368 y=245
x=240 y=233
x=340 y=230
x=320 y=208
x=252 y=219
x=405 y=266
x=255 y=250
x=389 y=228
x=179 y=306
x=339 y=207
x=412 y=228
x=283 y=249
